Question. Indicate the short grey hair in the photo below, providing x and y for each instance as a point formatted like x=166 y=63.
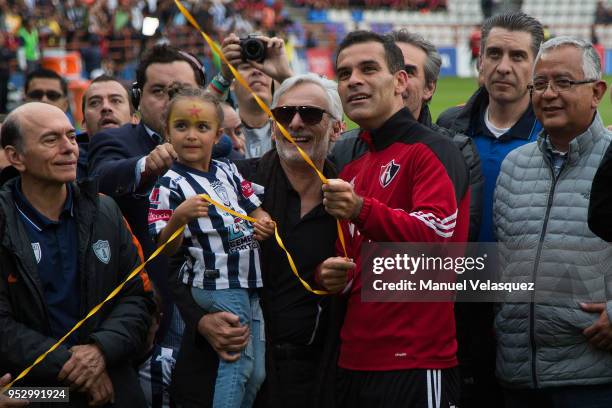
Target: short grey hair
x=591 y=64
x=433 y=61
x=10 y=133
x=334 y=104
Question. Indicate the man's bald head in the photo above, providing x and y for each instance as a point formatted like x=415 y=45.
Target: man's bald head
x=12 y=128
x=40 y=142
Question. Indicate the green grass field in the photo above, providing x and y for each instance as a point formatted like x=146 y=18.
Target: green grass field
x=455 y=91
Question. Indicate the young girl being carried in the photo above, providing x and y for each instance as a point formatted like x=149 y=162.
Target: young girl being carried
x=221 y=252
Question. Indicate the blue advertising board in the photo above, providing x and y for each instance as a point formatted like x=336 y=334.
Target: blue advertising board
x=449 y=61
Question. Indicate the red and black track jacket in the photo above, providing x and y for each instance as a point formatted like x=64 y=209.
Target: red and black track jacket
x=415 y=186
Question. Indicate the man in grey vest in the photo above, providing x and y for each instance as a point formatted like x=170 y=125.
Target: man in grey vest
x=555 y=350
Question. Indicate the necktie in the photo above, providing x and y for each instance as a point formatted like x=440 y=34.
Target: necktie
x=157 y=139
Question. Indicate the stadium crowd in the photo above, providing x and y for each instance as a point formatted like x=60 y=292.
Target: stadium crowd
x=220 y=318
x=420 y=5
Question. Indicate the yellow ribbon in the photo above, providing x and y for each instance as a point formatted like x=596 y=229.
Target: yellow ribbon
x=180 y=230
x=279 y=241
x=267 y=110
x=95 y=309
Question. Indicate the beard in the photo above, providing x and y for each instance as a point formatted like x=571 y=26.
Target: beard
x=288 y=153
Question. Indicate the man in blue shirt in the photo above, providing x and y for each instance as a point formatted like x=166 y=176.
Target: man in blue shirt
x=499 y=116
x=63 y=249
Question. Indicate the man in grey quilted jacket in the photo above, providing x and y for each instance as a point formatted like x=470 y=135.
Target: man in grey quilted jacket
x=556 y=351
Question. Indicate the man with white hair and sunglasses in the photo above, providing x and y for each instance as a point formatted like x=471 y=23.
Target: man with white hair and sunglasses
x=297 y=321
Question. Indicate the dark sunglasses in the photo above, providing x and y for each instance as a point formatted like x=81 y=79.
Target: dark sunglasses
x=310 y=115
x=39 y=94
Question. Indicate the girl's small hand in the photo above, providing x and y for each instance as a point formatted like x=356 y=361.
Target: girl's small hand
x=191 y=209
x=264 y=228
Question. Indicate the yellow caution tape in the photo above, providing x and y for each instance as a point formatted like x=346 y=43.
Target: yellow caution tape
x=279 y=241
x=179 y=231
x=261 y=104
x=95 y=309
x=136 y=271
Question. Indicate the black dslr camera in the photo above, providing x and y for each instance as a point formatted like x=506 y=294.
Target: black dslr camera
x=252 y=48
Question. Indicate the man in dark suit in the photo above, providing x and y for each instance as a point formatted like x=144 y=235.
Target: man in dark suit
x=129 y=159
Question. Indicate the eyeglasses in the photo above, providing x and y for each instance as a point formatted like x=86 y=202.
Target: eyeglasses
x=310 y=115
x=38 y=94
x=557 y=85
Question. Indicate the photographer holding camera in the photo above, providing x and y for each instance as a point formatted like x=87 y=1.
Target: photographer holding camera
x=260 y=61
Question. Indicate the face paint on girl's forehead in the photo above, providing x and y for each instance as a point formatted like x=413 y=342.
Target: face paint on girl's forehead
x=193 y=111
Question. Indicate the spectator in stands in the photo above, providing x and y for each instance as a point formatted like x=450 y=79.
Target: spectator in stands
x=45 y=85
x=257 y=126
x=6 y=57
x=603 y=15
x=555 y=352
x=474 y=44
x=28 y=35
x=91 y=53
x=487 y=8
x=506 y=6
x=78 y=248
x=409 y=176
x=499 y=118
x=296 y=321
x=128 y=160
x=105 y=105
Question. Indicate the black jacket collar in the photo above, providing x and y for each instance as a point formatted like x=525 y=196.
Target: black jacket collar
x=85 y=195
x=391 y=131
x=471 y=119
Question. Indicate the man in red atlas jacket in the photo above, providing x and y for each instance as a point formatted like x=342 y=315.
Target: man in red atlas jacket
x=411 y=186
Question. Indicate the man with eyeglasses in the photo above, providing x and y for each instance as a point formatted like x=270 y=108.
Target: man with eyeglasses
x=498 y=118
x=45 y=85
x=556 y=351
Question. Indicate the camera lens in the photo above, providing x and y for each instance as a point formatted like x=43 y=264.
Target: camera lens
x=253 y=49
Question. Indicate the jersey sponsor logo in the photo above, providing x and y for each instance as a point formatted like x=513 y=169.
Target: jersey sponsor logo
x=154 y=198
x=240 y=236
x=37 y=251
x=388 y=172
x=247 y=188
x=102 y=250
x=159 y=215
